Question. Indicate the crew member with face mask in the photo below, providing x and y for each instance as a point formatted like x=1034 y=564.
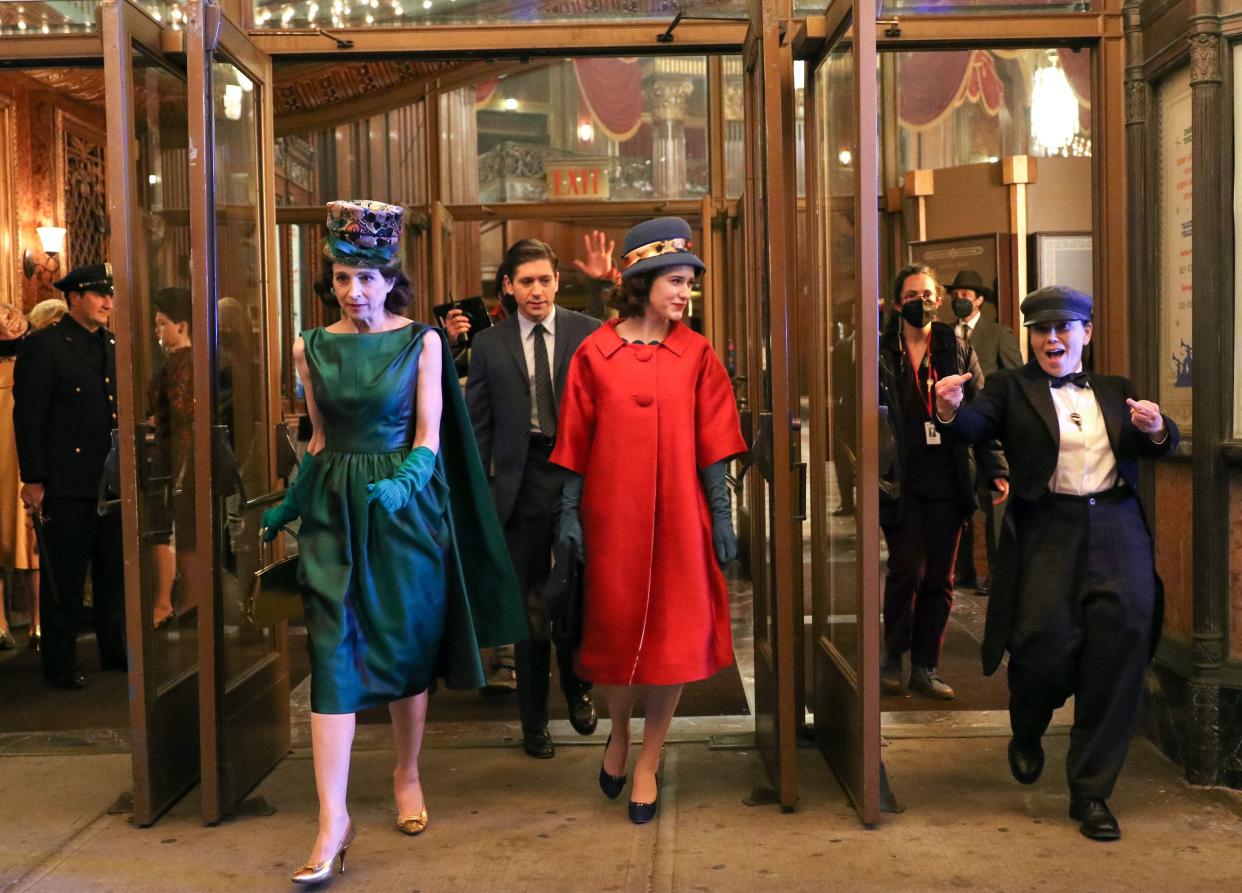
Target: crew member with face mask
x=1076 y=601
x=997 y=348
x=930 y=492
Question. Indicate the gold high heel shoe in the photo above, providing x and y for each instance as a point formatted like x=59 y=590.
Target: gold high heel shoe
x=413 y=825
x=314 y=873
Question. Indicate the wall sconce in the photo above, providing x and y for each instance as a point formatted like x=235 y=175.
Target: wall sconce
x=52 y=240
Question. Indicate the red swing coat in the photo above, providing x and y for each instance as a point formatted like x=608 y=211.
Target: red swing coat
x=638 y=422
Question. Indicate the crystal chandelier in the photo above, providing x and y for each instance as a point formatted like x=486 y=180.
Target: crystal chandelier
x=1054 y=108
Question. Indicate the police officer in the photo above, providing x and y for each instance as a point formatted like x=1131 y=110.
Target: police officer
x=1075 y=600
x=64 y=396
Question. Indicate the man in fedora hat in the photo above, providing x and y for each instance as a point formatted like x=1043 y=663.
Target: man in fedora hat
x=513 y=391
x=1075 y=599
x=997 y=348
x=64 y=410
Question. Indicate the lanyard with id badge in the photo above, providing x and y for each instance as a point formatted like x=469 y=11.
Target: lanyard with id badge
x=930 y=431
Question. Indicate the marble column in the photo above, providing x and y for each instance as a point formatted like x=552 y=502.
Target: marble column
x=668 y=95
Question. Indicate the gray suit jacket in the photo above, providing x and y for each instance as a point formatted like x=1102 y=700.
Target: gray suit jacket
x=498 y=396
x=995 y=346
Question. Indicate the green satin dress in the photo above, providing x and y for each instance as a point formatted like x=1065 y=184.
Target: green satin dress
x=381 y=590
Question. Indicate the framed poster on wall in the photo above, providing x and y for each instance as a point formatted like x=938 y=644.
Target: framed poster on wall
x=987 y=254
x=1176 y=358
x=1062 y=259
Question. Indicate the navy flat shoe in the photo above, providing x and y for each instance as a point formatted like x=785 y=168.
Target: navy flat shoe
x=642 y=813
x=611 y=785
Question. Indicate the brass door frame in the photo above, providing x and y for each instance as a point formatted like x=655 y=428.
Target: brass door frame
x=232 y=762
x=165 y=760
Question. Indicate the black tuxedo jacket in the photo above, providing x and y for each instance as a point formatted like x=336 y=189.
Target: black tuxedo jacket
x=1016 y=407
x=498 y=396
x=64 y=409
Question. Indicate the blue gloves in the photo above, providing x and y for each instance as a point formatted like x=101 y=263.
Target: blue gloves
x=393 y=493
x=290 y=509
x=569 y=528
x=724 y=540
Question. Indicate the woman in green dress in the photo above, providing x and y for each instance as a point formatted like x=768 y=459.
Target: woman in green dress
x=401 y=577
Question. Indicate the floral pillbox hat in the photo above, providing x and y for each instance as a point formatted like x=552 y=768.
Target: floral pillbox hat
x=362 y=232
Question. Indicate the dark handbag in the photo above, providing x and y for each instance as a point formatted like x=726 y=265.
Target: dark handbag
x=563 y=597
x=274 y=594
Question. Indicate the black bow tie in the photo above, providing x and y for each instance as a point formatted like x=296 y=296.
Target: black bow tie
x=1075 y=378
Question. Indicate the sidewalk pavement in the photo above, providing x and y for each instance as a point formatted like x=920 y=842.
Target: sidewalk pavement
x=501 y=821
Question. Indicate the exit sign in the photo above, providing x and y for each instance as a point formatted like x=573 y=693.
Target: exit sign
x=575 y=180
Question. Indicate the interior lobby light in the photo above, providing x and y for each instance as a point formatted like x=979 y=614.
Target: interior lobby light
x=511 y=104
x=232 y=102
x=52 y=241
x=1054 y=108
x=845 y=156
x=586 y=132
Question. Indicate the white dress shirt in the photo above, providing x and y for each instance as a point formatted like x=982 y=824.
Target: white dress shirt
x=527 y=328
x=966 y=328
x=1086 y=463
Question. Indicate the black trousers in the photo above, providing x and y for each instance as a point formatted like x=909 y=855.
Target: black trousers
x=529 y=534
x=918 y=590
x=992 y=515
x=1082 y=626
x=78 y=539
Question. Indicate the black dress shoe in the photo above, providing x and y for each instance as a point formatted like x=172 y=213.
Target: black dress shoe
x=66 y=680
x=985 y=586
x=1025 y=765
x=1097 y=819
x=642 y=813
x=538 y=744
x=582 y=715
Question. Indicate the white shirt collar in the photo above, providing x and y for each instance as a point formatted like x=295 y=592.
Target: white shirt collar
x=548 y=323
x=971 y=323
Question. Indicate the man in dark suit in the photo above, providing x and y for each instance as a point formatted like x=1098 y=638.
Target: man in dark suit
x=997 y=348
x=517 y=373
x=64 y=410
x=1075 y=599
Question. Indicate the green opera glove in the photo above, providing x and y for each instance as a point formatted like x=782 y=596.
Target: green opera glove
x=569 y=528
x=716 y=489
x=290 y=508
x=393 y=493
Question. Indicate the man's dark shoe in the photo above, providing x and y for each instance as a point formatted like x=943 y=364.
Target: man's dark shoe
x=538 y=744
x=924 y=681
x=69 y=681
x=843 y=511
x=985 y=586
x=891 y=675
x=582 y=715
x=1026 y=765
x=1097 y=819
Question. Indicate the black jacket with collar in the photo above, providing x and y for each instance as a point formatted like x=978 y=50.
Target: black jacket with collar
x=498 y=396
x=950 y=355
x=64 y=409
x=1016 y=408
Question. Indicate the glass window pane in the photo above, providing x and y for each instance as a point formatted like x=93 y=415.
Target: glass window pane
x=587 y=129
x=968 y=106
x=413 y=13
x=240 y=411
x=23 y=17
x=161 y=338
x=837 y=618
x=982 y=7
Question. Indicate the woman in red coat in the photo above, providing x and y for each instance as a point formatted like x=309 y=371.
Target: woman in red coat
x=647 y=425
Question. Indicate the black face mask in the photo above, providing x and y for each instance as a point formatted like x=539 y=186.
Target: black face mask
x=916 y=313
x=963 y=307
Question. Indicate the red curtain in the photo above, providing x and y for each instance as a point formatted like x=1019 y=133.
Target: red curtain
x=934 y=84
x=483 y=91
x=613 y=91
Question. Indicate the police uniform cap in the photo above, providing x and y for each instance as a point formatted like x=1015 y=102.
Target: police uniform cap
x=1054 y=303
x=88 y=277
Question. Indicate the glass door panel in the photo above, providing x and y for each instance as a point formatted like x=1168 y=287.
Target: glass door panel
x=149 y=246
x=843 y=334
x=244 y=680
